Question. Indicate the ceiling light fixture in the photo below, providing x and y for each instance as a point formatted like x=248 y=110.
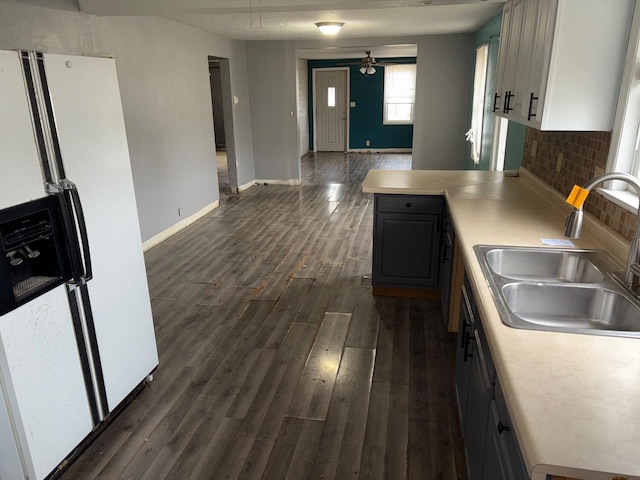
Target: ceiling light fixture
x=329 y=28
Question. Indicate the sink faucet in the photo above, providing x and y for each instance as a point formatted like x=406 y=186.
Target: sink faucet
x=574 y=225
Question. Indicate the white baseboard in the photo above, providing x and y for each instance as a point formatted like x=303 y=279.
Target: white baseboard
x=380 y=150
x=182 y=224
x=246 y=186
x=293 y=181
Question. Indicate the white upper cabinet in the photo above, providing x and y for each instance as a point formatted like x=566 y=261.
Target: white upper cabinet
x=560 y=62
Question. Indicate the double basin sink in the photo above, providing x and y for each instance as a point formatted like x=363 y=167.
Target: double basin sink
x=562 y=290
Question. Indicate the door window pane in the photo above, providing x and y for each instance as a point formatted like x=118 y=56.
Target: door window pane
x=331 y=96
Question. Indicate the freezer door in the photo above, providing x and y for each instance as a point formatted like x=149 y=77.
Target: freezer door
x=93 y=144
x=19 y=161
x=43 y=380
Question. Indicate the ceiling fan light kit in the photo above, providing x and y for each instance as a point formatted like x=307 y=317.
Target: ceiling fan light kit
x=368 y=64
x=329 y=28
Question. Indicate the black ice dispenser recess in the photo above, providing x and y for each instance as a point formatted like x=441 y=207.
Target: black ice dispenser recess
x=34 y=256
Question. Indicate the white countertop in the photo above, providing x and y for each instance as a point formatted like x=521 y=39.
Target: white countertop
x=574 y=399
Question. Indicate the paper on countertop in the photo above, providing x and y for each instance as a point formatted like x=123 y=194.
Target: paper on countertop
x=557 y=242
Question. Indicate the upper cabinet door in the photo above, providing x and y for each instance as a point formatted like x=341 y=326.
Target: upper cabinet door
x=568 y=57
x=541 y=40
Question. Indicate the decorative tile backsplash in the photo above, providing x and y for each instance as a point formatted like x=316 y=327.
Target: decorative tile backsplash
x=580 y=153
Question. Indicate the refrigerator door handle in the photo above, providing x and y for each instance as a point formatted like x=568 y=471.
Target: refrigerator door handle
x=71 y=188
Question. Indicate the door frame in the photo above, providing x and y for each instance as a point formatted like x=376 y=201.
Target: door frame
x=498 y=143
x=346 y=104
x=227 y=115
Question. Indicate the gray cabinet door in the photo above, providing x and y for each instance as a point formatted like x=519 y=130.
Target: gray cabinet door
x=446 y=263
x=408 y=250
x=502 y=457
x=464 y=354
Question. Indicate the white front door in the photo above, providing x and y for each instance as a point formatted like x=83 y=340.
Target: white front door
x=331 y=110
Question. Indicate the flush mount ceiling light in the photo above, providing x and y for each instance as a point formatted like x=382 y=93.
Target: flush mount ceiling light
x=329 y=28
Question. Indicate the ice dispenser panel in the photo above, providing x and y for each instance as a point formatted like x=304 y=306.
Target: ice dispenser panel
x=34 y=253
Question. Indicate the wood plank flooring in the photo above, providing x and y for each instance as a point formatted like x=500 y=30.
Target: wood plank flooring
x=276 y=362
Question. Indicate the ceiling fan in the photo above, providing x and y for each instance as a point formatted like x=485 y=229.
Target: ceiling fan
x=368 y=64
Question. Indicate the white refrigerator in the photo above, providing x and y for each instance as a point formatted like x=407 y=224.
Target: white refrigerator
x=74 y=347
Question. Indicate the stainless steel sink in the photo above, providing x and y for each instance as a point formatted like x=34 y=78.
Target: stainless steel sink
x=577 y=308
x=543 y=266
x=563 y=290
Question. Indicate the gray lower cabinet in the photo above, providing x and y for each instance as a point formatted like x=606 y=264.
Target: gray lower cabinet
x=406 y=241
x=464 y=354
x=491 y=448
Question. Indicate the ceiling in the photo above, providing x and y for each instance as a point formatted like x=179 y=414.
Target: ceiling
x=294 y=20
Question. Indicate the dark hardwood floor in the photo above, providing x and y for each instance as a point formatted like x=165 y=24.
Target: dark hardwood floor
x=276 y=361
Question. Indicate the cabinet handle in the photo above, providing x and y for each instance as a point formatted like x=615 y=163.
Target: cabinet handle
x=467 y=341
x=531 y=99
x=507 y=101
x=464 y=338
x=502 y=427
x=496 y=97
x=408 y=205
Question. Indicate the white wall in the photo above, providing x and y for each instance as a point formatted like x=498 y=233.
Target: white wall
x=272 y=94
x=242 y=141
x=443 y=98
x=163 y=76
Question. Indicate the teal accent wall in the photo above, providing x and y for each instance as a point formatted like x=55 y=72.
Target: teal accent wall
x=514 y=149
x=365 y=119
x=515 y=133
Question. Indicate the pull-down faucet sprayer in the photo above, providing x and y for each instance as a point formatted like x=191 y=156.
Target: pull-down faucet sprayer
x=573 y=226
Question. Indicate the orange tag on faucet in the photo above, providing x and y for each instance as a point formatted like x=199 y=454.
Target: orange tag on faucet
x=577 y=196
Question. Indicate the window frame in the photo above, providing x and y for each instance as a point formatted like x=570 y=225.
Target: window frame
x=624 y=154
x=388 y=72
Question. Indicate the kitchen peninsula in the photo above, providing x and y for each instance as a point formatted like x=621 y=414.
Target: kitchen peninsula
x=572 y=398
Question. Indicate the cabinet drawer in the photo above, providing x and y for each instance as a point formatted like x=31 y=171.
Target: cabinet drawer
x=409 y=203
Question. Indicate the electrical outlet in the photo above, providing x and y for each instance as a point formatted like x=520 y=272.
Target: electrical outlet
x=179 y=212
x=367 y=143
x=534 y=148
x=559 y=163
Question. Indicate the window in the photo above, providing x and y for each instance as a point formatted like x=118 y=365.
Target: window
x=399 y=94
x=474 y=135
x=624 y=154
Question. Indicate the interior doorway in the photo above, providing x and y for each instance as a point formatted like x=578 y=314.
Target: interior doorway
x=221 y=104
x=330 y=93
